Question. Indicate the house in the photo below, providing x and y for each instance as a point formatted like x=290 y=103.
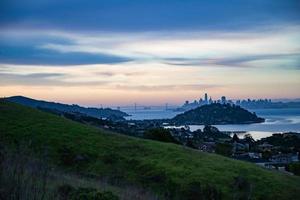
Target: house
x=208 y=147
x=284 y=158
x=265 y=146
x=131 y=124
x=240 y=148
x=254 y=155
x=251 y=157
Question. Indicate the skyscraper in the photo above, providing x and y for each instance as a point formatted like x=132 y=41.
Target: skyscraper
x=206 y=98
x=210 y=101
x=223 y=99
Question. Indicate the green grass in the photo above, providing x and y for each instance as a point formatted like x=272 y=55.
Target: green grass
x=168 y=169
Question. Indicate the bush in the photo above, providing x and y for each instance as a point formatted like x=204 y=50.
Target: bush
x=224 y=149
x=294 y=168
x=242 y=188
x=195 y=191
x=23 y=176
x=190 y=144
x=67 y=192
x=68 y=157
x=160 y=134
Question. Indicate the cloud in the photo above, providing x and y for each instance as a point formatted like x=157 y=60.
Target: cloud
x=192 y=48
x=110 y=73
x=45 y=79
x=44 y=75
x=144 y=15
x=131 y=76
x=247 y=60
x=227 y=48
x=32 y=79
x=144 y=82
x=241 y=61
x=157 y=88
x=16 y=54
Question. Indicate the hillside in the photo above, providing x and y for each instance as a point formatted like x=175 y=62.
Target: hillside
x=170 y=170
x=217 y=114
x=93 y=112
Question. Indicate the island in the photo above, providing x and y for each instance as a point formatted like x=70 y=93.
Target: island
x=217 y=113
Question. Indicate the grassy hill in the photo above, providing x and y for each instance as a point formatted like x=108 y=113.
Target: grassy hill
x=89 y=111
x=170 y=170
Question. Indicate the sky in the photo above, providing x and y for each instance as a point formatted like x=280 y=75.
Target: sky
x=118 y=52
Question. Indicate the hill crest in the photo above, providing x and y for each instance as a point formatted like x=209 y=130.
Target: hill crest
x=89 y=111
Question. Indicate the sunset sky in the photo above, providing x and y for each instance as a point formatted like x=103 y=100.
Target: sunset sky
x=118 y=52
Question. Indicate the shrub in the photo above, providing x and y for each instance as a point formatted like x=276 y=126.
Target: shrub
x=67 y=192
x=160 y=134
x=23 y=176
x=294 y=168
x=190 y=144
x=242 y=188
x=224 y=149
x=195 y=191
x=68 y=157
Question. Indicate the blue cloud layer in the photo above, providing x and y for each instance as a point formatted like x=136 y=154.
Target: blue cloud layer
x=115 y=16
x=292 y=60
x=16 y=54
x=124 y=15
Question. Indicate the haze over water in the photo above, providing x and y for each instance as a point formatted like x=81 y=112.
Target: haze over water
x=277 y=121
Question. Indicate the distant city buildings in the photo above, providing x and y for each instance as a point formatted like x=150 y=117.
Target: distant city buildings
x=205 y=101
x=205 y=98
x=223 y=99
x=246 y=103
x=254 y=103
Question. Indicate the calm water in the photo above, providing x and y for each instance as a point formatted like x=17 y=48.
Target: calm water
x=157 y=113
x=277 y=120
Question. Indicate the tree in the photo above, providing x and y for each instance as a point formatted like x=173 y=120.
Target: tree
x=224 y=149
x=235 y=138
x=210 y=129
x=294 y=168
x=249 y=139
x=160 y=134
x=190 y=144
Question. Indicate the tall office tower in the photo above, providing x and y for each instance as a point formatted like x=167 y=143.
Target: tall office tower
x=205 y=98
x=210 y=100
x=200 y=101
x=223 y=99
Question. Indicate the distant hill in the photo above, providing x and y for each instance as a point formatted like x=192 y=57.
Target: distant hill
x=217 y=114
x=93 y=112
x=171 y=171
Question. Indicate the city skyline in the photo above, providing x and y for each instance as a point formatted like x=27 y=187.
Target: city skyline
x=206 y=99
x=119 y=52
x=198 y=100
